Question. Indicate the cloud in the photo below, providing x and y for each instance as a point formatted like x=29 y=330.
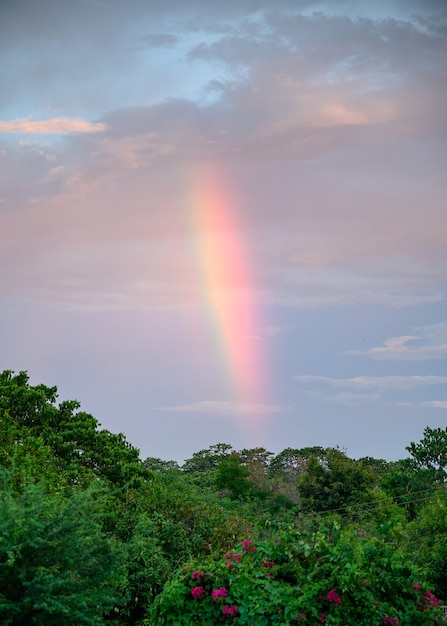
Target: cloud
x=160 y=40
x=345 y=397
x=381 y=383
x=435 y=404
x=330 y=154
x=214 y=407
x=397 y=348
x=55 y=126
x=375 y=385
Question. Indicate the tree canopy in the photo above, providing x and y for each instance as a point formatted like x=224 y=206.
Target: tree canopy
x=91 y=534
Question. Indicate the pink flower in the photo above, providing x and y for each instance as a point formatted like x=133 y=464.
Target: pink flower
x=416 y=586
x=323 y=618
x=248 y=546
x=232 y=555
x=198 y=593
x=219 y=593
x=197 y=575
x=230 y=611
x=389 y=621
x=332 y=596
x=229 y=563
x=428 y=599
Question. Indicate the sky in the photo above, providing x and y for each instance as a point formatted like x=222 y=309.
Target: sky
x=227 y=221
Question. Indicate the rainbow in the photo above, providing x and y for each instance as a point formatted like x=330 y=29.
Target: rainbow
x=226 y=280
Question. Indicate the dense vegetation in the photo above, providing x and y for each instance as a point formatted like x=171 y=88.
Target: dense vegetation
x=92 y=534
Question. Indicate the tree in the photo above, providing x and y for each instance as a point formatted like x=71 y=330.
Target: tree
x=333 y=481
x=232 y=477
x=427 y=541
x=79 y=448
x=156 y=464
x=206 y=460
x=289 y=465
x=257 y=460
x=408 y=486
x=56 y=564
x=431 y=453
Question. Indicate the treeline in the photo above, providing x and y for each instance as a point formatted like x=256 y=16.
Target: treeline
x=91 y=534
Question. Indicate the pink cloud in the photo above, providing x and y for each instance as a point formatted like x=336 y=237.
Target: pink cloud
x=54 y=126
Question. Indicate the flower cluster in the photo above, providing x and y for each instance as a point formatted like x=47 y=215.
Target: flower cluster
x=198 y=575
x=230 y=611
x=389 y=621
x=198 y=593
x=300 y=617
x=231 y=558
x=332 y=596
x=217 y=594
x=248 y=546
x=427 y=600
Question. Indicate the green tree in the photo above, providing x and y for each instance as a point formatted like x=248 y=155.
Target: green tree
x=289 y=465
x=409 y=487
x=208 y=459
x=431 y=453
x=232 y=477
x=257 y=460
x=426 y=544
x=56 y=564
x=332 y=481
x=79 y=448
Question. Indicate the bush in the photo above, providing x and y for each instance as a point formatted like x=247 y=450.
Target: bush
x=332 y=577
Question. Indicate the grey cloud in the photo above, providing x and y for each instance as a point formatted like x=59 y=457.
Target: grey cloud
x=345 y=397
x=160 y=40
x=375 y=382
x=217 y=407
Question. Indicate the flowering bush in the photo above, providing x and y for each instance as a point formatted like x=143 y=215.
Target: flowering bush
x=333 y=578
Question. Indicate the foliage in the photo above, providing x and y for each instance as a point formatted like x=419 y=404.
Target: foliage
x=408 y=486
x=56 y=564
x=431 y=453
x=208 y=459
x=333 y=481
x=232 y=477
x=427 y=541
x=333 y=577
x=80 y=449
x=90 y=534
